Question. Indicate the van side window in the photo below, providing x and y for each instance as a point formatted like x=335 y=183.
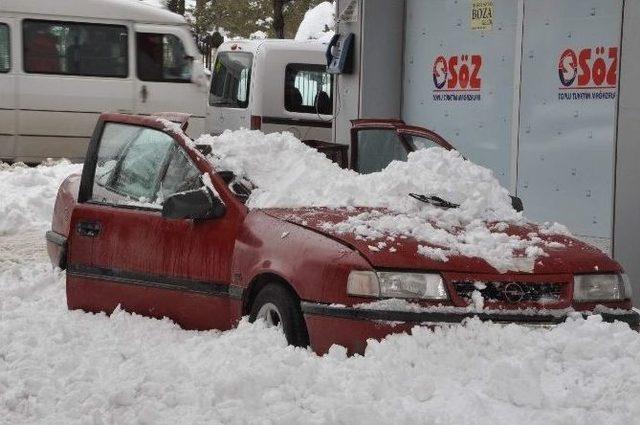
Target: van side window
x=231 y=80
x=308 y=89
x=129 y=164
x=162 y=57
x=74 y=48
x=5 y=48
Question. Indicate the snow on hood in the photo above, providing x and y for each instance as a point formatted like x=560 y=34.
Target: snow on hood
x=289 y=174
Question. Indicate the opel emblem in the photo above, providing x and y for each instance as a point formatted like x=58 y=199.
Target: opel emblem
x=513 y=292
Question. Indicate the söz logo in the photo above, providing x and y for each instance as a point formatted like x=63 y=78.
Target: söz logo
x=457 y=73
x=589 y=68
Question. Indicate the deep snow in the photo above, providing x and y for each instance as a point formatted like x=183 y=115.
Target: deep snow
x=62 y=367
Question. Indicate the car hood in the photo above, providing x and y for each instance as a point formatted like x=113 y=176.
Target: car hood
x=565 y=255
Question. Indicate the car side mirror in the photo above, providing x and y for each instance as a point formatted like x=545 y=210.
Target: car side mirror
x=517 y=204
x=193 y=204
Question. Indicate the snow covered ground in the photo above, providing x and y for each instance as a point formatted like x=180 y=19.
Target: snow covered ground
x=61 y=367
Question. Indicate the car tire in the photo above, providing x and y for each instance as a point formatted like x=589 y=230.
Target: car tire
x=279 y=307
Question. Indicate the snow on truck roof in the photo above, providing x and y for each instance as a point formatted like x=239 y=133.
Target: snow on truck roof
x=126 y=10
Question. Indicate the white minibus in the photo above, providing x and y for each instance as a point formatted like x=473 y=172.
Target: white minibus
x=64 y=62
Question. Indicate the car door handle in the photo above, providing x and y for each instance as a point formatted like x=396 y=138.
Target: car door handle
x=88 y=228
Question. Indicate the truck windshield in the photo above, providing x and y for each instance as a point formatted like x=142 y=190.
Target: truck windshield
x=231 y=80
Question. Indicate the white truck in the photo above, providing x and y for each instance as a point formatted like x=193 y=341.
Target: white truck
x=272 y=85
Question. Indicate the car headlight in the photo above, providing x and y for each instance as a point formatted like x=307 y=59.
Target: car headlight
x=427 y=286
x=601 y=287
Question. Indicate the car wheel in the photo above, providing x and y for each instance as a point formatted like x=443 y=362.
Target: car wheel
x=277 y=306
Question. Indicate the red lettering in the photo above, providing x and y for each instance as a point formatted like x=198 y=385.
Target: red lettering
x=476 y=63
x=464 y=76
x=612 y=73
x=453 y=80
x=584 y=77
x=599 y=71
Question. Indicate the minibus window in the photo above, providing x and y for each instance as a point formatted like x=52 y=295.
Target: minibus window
x=75 y=48
x=231 y=80
x=5 y=55
x=308 y=89
x=162 y=57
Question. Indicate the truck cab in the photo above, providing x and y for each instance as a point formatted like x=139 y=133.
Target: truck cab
x=272 y=86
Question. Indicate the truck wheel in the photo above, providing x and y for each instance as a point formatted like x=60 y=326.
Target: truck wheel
x=278 y=307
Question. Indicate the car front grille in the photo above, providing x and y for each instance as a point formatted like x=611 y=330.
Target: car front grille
x=512 y=292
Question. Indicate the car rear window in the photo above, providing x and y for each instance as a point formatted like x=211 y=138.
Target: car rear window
x=231 y=80
x=377 y=148
x=308 y=89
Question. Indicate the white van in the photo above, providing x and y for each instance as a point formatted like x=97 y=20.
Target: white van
x=272 y=85
x=64 y=62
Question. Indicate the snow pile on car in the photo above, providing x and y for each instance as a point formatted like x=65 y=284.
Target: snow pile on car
x=27 y=194
x=289 y=174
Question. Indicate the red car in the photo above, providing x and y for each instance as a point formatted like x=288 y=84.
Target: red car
x=152 y=226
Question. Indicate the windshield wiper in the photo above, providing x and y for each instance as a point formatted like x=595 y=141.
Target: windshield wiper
x=434 y=200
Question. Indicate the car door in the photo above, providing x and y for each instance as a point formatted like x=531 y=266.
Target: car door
x=167 y=74
x=376 y=143
x=123 y=252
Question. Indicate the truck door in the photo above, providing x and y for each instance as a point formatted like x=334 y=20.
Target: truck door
x=229 y=92
x=7 y=90
x=169 y=78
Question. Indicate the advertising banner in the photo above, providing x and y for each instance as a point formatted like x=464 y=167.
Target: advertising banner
x=459 y=75
x=568 y=113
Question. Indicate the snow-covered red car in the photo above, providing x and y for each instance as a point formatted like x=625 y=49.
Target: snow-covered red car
x=244 y=223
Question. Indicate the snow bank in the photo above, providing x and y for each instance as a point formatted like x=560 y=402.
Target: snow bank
x=75 y=368
x=290 y=174
x=318 y=23
x=27 y=196
x=62 y=367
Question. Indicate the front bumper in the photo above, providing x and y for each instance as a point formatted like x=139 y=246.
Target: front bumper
x=351 y=327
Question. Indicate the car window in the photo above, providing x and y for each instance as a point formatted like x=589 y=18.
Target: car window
x=129 y=164
x=308 y=89
x=231 y=80
x=181 y=176
x=75 y=48
x=418 y=142
x=376 y=148
x=5 y=48
x=162 y=57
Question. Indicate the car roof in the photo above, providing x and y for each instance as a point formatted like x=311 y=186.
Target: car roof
x=127 y=10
